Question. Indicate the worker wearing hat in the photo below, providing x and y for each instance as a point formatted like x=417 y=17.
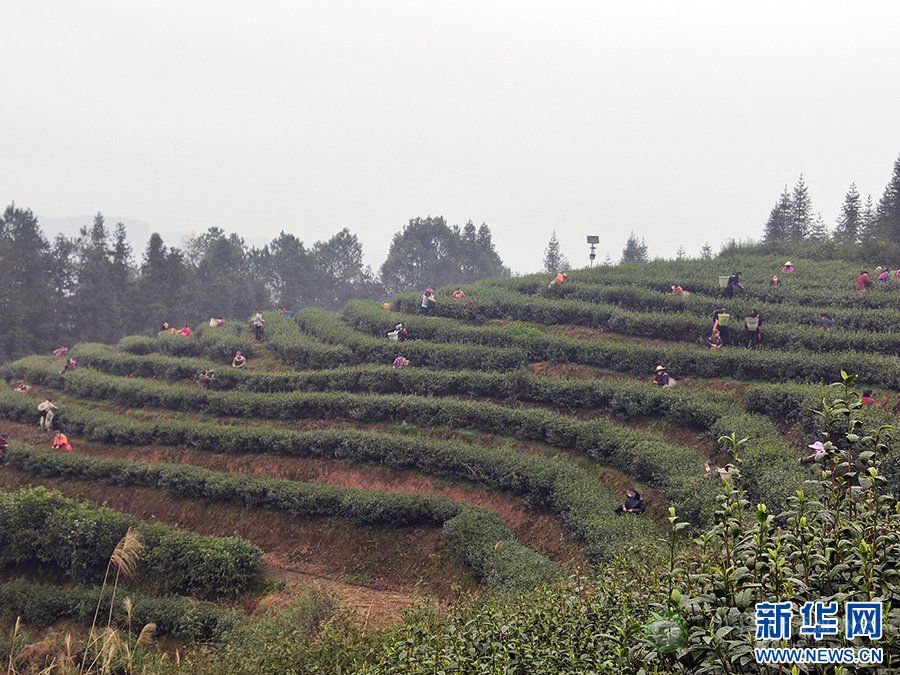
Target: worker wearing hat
x=662 y=377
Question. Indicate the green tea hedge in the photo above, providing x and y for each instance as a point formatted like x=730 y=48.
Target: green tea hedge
x=361 y=506
x=41 y=528
x=43 y=605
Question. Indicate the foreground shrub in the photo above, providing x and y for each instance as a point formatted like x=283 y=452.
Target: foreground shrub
x=837 y=541
x=42 y=529
x=44 y=605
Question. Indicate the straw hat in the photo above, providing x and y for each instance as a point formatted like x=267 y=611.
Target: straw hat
x=659 y=368
x=788 y=264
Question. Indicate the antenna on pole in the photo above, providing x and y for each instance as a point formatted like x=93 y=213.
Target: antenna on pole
x=593 y=240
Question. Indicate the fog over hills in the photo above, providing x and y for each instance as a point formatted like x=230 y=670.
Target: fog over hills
x=139 y=231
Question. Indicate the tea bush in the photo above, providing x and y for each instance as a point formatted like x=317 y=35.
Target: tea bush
x=675 y=471
x=687 y=360
x=584 y=505
x=41 y=528
x=44 y=605
x=837 y=541
x=368 y=349
x=298 y=349
x=361 y=506
x=216 y=343
x=865 y=351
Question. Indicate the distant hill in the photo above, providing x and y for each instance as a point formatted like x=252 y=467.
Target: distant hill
x=139 y=231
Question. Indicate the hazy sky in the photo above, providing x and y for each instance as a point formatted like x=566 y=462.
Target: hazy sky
x=680 y=120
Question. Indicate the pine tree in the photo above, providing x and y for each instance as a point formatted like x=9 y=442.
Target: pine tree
x=888 y=213
x=607 y=260
x=24 y=291
x=489 y=262
x=850 y=219
x=153 y=284
x=469 y=257
x=63 y=287
x=180 y=284
x=819 y=230
x=778 y=226
x=680 y=252
x=706 y=252
x=867 y=221
x=127 y=311
x=635 y=251
x=95 y=297
x=801 y=217
x=222 y=276
x=554 y=260
x=429 y=253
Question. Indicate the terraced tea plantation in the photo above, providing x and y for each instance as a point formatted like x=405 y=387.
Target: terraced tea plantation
x=491 y=466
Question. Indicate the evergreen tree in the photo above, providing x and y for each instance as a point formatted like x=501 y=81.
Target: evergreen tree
x=819 y=229
x=635 y=251
x=607 y=260
x=153 y=284
x=258 y=288
x=706 y=252
x=429 y=253
x=64 y=288
x=95 y=297
x=849 y=222
x=127 y=313
x=867 y=221
x=489 y=262
x=165 y=286
x=222 y=277
x=680 y=253
x=180 y=281
x=888 y=213
x=24 y=289
x=554 y=260
x=469 y=256
x=801 y=217
x=778 y=227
